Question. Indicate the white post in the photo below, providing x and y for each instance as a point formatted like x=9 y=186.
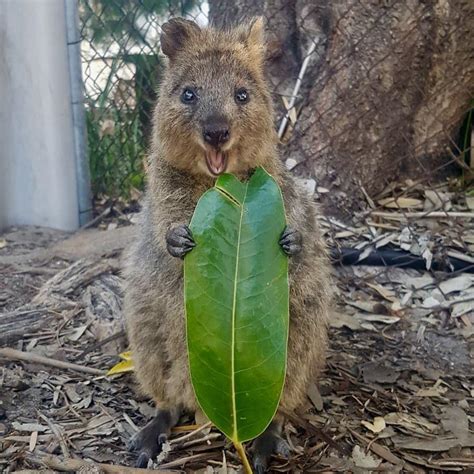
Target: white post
x=38 y=177
x=84 y=193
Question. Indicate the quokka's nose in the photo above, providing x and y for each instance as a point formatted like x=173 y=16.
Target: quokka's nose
x=216 y=132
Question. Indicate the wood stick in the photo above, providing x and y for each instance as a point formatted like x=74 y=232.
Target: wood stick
x=34 y=270
x=34 y=471
x=26 y=439
x=59 y=464
x=180 y=462
x=98 y=344
x=421 y=214
x=98 y=218
x=296 y=89
x=204 y=439
x=191 y=434
x=13 y=354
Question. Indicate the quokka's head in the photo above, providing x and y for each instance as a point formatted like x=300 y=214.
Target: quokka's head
x=214 y=112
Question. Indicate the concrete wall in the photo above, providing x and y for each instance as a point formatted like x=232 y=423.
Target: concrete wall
x=37 y=154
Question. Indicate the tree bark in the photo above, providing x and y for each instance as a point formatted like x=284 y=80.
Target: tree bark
x=386 y=91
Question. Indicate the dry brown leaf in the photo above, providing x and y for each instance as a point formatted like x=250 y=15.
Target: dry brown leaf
x=290 y=163
x=416 y=283
x=470 y=202
x=377 y=426
x=436 y=200
x=107 y=127
x=373 y=372
x=33 y=441
x=315 y=397
x=460 y=283
x=29 y=427
x=338 y=320
x=461 y=256
x=78 y=332
x=469 y=238
x=459 y=309
x=385 y=293
x=367 y=306
x=385 y=240
x=455 y=420
x=401 y=203
x=344 y=234
x=435 y=391
x=432 y=445
x=415 y=423
x=377 y=318
x=335 y=463
x=364 y=254
x=379 y=449
x=433 y=301
x=363 y=459
x=201 y=419
x=72 y=394
x=467 y=319
x=101 y=425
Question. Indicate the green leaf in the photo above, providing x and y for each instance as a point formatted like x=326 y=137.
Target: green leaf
x=236 y=294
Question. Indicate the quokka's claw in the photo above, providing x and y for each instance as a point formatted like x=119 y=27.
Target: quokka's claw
x=291 y=241
x=179 y=241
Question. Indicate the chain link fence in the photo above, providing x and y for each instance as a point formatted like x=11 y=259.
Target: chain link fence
x=121 y=69
x=373 y=107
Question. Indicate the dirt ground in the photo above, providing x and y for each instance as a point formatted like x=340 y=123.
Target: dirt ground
x=397 y=394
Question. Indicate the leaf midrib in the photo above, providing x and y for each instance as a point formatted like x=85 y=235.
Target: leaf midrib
x=234 y=302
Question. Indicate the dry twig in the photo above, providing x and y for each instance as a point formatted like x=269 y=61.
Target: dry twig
x=191 y=434
x=13 y=354
x=59 y=464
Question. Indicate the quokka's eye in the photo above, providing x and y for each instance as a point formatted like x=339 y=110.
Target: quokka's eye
x=241 y=96
x=188 y=96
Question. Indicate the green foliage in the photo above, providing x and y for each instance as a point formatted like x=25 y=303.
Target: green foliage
x=116 y=151
x=236 y=294
x=125 y=21
x=121 y=33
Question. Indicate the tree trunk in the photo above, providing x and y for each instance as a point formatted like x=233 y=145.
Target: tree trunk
x=386 y=90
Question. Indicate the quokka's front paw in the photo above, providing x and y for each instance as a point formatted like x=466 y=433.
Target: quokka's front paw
x=291 y=241
x=179 y=241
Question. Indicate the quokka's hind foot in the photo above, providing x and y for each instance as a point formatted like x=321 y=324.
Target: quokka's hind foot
x=148 y=442
x=268 y=443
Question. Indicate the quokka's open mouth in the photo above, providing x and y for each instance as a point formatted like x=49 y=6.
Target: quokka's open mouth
x=216 y=161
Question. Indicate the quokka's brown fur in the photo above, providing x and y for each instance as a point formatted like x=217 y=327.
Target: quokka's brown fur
x=216 y=63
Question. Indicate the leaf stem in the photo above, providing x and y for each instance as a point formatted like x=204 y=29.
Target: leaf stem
x=243 y=457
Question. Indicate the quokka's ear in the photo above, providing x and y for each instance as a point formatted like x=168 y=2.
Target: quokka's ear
x=175 y=34
x=253 y=35
x=256 y=32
